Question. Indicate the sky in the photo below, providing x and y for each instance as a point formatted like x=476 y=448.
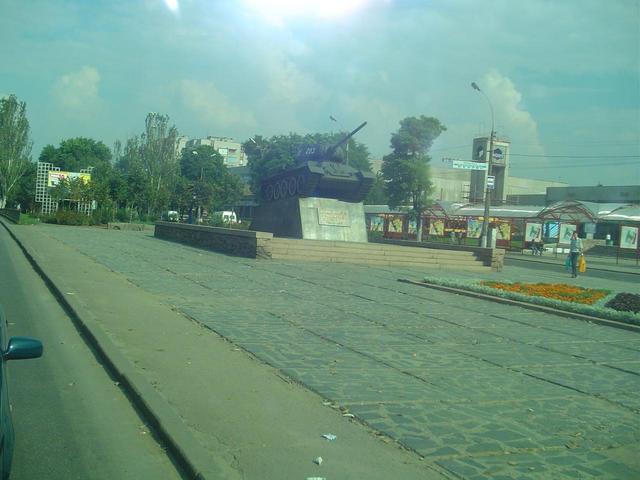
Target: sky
x=562 y=77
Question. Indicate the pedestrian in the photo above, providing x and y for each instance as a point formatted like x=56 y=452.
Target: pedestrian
x=575 y=250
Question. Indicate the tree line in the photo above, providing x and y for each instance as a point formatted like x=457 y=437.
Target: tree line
x=145 y=175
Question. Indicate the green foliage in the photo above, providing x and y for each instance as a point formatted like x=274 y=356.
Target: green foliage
x=26 y=219
x=75 y=154
x=15 y=145
x=625 y=302
x=206 y=182
x=378 y=193
x=406 y=169
x=599 y=310
x=67 y=217
x=23 y=194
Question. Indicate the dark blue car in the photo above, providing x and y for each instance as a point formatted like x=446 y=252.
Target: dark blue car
x=18 y=348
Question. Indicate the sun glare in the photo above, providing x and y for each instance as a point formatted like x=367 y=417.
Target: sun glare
x=278 y=11
x=172 y=5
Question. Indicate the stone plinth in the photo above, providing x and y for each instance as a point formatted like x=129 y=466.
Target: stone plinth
x=312 y=218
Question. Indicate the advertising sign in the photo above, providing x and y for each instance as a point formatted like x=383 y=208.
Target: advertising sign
x=628 y=237
x=377 y=223
x=474 y=228
x=54 y=177
x=503 y=231
x=436 y=227
x=566 y=230
x=395 y=224
x=533 y=232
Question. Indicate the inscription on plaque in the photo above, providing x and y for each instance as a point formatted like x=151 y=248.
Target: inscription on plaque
x=337 y=218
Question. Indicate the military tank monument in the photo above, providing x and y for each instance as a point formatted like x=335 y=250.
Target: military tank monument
x=318 y=197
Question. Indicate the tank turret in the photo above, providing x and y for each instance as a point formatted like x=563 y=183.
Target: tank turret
x=320 y=171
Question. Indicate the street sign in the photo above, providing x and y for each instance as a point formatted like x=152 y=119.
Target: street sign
x=491 y=182
x=469 y=165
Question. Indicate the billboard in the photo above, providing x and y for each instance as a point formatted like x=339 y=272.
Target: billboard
x=566 y=230
x=436 y=227
x=54 y=177
x=533 y=232
x=474 y=228
x=628 y=237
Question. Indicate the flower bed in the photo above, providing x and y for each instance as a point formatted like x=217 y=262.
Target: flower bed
x=597 y=309
x=558 y=291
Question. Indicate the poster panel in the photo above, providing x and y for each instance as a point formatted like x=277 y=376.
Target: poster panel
x=436 y=227
x=54 y=177
x=395 y=224
x=566 y=230
x=533 y=232
x=377 y=223
x=474 y=228
x=503 y=231
x=412 y=227
x=628 y=237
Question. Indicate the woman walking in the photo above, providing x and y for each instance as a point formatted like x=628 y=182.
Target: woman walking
x=575 y=250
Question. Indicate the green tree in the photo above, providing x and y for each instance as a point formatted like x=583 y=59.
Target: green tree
x=378 y=194
x=207 y=182
x=15 y=145
x=75 y=154
x=406 y=169
x=159 y=161
x=23 y=194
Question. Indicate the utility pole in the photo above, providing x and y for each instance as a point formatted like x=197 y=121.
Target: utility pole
x=487 y=191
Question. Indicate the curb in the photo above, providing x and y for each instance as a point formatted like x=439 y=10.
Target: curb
x=530 y=306
x=191 y=459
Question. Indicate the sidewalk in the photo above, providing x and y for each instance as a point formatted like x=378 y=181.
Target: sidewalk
x=224 y=413
x=474 y=389
x=608 y=264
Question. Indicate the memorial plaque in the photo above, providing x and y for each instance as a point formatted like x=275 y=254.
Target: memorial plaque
x=338 y=218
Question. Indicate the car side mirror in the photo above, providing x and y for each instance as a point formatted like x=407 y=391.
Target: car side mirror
x=20 y=348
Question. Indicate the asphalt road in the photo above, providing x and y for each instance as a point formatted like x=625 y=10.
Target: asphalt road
x=72 y=421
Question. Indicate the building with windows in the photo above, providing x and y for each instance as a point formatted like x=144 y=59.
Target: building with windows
x=231 y=151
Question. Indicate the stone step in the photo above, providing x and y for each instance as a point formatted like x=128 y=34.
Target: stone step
x=391 y=250
x=385 y=261
x=374 y=254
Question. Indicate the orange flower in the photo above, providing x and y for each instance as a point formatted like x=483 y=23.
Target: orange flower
x=557 y=291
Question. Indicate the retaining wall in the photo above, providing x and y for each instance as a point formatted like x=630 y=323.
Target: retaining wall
x=242 y=243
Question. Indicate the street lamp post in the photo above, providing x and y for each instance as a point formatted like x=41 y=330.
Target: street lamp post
x=487 y=192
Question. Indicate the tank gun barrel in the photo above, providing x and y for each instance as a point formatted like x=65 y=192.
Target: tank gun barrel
x=345 y=139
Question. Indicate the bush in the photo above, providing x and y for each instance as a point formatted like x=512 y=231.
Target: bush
x=67 y=217
x=625 y=302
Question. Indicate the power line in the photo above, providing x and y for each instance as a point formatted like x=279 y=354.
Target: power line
x=571 y=156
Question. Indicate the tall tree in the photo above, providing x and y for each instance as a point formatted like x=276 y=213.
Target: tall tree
x=159 y=160
x=75 y=154
x=207 y=182
x=406 y=169
x=15 y=145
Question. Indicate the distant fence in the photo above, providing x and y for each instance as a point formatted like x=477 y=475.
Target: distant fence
x=11 y=214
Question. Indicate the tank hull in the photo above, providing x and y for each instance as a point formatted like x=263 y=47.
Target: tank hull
x=318 y=179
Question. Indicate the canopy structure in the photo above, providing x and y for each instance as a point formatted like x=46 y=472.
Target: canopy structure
x=568 y=210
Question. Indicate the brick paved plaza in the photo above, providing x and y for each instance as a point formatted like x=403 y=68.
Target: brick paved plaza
x=480 y=389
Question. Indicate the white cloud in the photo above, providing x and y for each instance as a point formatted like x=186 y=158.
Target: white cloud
x=78 y=90
x=213 y=107
x=510 y=115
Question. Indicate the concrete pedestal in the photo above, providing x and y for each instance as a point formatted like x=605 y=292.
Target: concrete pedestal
x=312 y=218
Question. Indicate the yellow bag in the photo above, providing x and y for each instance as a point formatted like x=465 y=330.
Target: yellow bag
x=582 y=264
